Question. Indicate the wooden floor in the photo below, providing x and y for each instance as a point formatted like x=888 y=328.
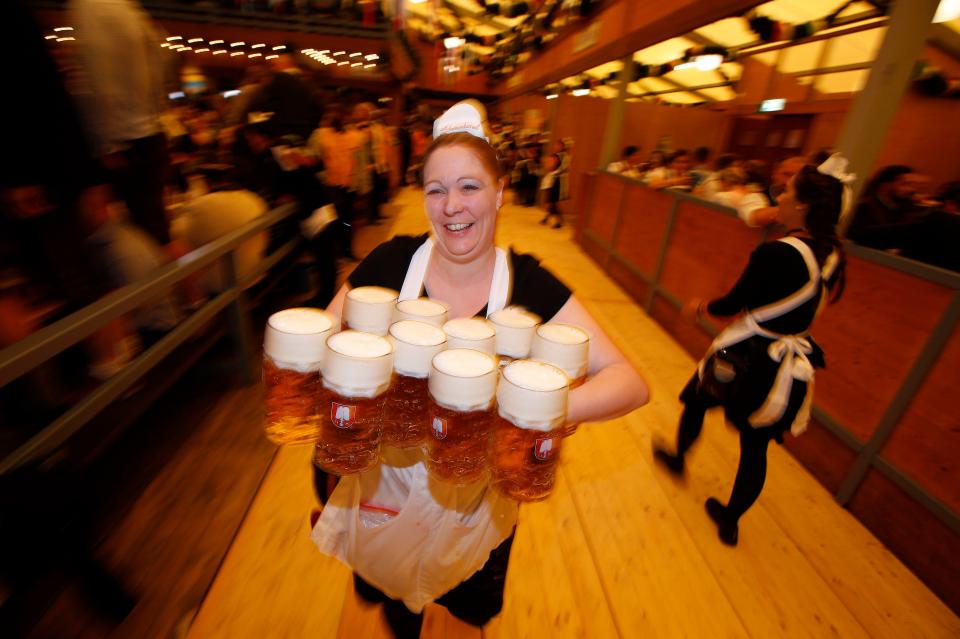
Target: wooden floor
x=620 y=549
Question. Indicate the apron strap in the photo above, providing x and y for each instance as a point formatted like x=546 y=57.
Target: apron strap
x=801 y=295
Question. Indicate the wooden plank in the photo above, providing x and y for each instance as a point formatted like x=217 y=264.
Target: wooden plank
x=865 y=363
x=926 y=443
x=642 y=225
x=274 y=581
x=604 y=207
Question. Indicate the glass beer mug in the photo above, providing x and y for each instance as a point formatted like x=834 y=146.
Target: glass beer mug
x=357 y=370
x=293 y=349
x=568 y=348
x=515 y=328
x=422 y=309
x=462 y=386
x=525 y=444
x=471 y=332
x=369 y=309
x=405 y=407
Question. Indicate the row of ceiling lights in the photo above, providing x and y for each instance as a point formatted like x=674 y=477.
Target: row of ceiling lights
x=355 y=59
x=220 y=47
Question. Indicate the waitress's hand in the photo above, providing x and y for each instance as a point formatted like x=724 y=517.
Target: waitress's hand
x=693 y=309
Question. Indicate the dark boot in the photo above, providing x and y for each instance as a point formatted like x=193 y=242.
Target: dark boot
x=673 y=463
x=726 y=525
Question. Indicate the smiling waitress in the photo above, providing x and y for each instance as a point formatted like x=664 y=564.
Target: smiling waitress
x=451 y=544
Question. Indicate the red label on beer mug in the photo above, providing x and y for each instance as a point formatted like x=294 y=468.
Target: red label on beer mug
x=543 y=448
x=439 y=428
x=342 y=415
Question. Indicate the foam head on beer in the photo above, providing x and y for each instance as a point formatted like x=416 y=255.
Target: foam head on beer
x=463 y=379
x=370 y=309
x=515 y=329
x=471 y=332
x=533 y=395
x=415 y=344
x=421 y=309
x=295 y=338
x=357 y=364
x=562 y=345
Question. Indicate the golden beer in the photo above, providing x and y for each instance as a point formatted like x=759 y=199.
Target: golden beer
x=293 y=346
x=406 y=404
x=526 y=441
x=357 y=371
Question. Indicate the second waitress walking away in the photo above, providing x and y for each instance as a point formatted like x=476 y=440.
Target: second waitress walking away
x=760 y=369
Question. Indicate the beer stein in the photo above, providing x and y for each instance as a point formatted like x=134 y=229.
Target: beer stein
x=369 y=309
x=566 y=347
x=515 y=328
x=293 y=349
x=422 y=309
x=525 y=444
x=357 y=370
x=405 y=407
x=462 y=386
x=470 y=332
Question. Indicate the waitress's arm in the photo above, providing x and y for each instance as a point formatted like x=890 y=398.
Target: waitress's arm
x=335 y=307
x=614 y=387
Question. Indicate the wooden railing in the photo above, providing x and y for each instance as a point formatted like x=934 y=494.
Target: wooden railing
x=27 y=354
x=885 y=436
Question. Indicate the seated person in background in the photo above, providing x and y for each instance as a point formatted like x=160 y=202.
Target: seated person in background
x=820 y=156
x=675 y=175
x=885 y=216
x=701 y=170
x=938 y=238
x=629 y=164
x=785 y=170
x=225 y=208
x=709 y=186
x=752 y=206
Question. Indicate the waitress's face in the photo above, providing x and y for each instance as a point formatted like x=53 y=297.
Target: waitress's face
x=461 y=198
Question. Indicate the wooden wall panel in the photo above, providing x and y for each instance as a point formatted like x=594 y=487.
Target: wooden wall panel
x=693 y=339
x=597 y=253
x=910 y=531
x=826 y=457
x=707 y=252
x=926 y=442
x=643 y=221
x=626 y=278
x=604 y=205
x=871 y=337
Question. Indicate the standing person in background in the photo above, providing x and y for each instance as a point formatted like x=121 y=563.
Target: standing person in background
x=380 y=142
x=760 y=368
x=287 y=94
x=701 y=170
x=118 y=48
x=550 y=190
x=710 y=185
x=336 y=149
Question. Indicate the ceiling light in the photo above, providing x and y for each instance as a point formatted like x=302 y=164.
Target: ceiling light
x=236 y=53
x=254 y=55
x=372 y=56
x=258 y=46
x=367 y=66
x=176 y=95
x=216 y=42
x=163 y=45
x=356 y=64
x=279 y=47
x=204 y=50
x=58 y=29
x=353 y=55
x=172 y=38
x=232 y=93
x=453 y=42
x=186 y=49
x=709 y=62
x=271 y=57
x=417 y=1
x=553 y=96
x=340 y=64
x=192 y=40
x=66 y=39
x=581 y=92
x=219 y=51
x=53 y=37
x=947 y=10
x=237 y=44
x=339 y=53
x=325 y=51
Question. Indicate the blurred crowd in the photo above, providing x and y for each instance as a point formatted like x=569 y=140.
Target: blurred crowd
x=899 y=209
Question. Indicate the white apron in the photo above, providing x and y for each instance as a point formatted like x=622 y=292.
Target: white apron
x=411 y=536
x=789 y=350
